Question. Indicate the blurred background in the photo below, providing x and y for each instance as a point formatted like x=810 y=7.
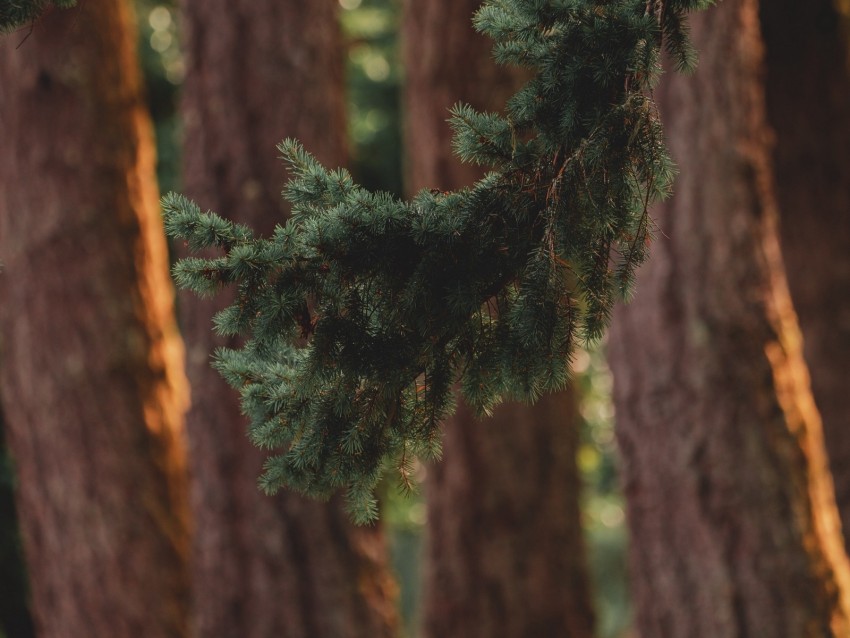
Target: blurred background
x=374 y=77
x=521 y=530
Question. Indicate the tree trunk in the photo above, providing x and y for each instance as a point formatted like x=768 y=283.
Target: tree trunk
x=808 y=106
x=733 y=521
x=259 y=71
x=505 y=555
x=92 y=380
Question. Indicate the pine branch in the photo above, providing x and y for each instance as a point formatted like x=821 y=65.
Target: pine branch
x=362 y=312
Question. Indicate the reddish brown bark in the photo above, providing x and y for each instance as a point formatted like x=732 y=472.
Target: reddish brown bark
x=259 y=71
x=445 y=62
x=808 y=105
x=92 y=378
x=505 y=555
x=734 y=528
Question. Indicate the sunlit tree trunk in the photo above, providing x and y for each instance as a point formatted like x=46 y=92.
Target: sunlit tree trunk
x=734 y=527
x=92 y=380
x=808 y=106
x=259 y=71
x=505 y=556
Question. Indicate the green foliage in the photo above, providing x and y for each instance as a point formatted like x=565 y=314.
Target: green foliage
x=374 y=86
x=363 y=311
x=16 y=13
x=163 y=67
x=603 y=515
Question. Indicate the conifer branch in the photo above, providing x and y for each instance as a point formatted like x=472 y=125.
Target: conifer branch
x=363 y=312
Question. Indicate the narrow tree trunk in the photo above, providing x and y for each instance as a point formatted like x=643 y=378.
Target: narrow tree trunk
x=259 y=71
x=733 y=521
x=92 y=380
x=505 y=556
x=808 y=105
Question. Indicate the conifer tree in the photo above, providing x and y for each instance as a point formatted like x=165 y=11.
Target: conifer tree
x=363 y=310
x=263 y=566
x=733 y=523
x=504 y=552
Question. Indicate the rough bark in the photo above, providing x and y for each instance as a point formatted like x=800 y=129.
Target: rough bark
x=259 y=71
x=505 y=555
x=92 y=379
x=734 y=528
x=808 y=106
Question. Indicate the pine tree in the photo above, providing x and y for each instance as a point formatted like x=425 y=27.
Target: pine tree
x=263 y=566
x=504 y=550
x=733 y=525
x=363 y=311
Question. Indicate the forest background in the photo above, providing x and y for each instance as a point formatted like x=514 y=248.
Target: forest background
x=374 y=75
x=376 y=120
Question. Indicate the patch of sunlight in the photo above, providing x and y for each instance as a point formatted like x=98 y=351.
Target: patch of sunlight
x=161 y=41
x=588 y=459
x=377 y=68
x=159 y=18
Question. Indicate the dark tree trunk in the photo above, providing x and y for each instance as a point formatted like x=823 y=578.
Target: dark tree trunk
x=259 y=71
x=734 y=528
x=505 y=555
x=92 y=379
x=808 y=105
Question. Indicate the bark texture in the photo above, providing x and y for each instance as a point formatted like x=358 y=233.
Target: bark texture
x=259 y=71
x=731 y=509
x=808 y=105
x=505 y=555
x=92 y=379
